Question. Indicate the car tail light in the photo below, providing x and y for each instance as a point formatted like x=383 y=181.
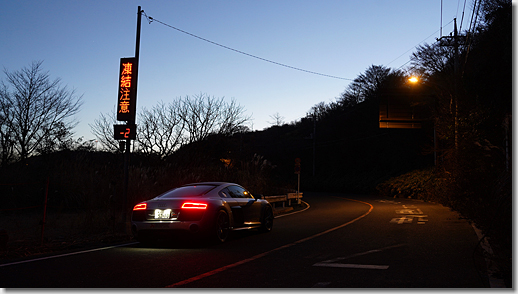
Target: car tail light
x=141 y=206
x=194 y=205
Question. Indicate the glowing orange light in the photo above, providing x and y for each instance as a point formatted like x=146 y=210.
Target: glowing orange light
x=194 y=205
x=413 y=79
x=141 y=206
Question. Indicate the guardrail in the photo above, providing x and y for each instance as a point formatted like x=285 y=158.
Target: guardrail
x=284 y=199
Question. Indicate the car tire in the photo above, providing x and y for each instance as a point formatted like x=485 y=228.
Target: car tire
x=267 y=221
x=221 y=226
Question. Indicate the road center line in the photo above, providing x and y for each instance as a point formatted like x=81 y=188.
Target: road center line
x=221 y=269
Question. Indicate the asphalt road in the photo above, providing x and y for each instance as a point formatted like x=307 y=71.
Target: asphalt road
x=341 y=241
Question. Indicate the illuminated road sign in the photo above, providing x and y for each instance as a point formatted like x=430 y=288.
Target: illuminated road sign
x=123 y=132
x=127 y=99
x=398 y=111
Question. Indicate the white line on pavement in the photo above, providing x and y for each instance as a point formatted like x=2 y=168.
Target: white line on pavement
x=67 y=254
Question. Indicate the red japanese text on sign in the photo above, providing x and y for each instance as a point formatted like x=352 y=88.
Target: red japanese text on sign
x=126 y=104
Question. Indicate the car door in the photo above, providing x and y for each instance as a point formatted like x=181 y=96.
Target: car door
x=235 y=206
x=248 y=209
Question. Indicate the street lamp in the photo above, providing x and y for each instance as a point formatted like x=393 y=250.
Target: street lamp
x=415 y=80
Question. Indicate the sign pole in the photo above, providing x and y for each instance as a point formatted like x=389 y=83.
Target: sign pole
x=131 y=123
x=298 y=185
x=297 y=171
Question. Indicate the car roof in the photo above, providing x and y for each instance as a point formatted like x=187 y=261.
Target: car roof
x=212 y=183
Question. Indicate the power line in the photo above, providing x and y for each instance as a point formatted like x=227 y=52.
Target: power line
x=412 y=48
x=150 y=19
x=417 y=45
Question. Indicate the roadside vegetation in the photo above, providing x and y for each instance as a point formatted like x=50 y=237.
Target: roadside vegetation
x=460 y=157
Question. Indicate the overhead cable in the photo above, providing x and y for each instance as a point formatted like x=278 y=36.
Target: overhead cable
x=150 y=19
x=417 y=45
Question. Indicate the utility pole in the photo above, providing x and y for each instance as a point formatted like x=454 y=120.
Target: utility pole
x=440 y=35
x=314 y=141
x=456 y=78
x=456 y=81
x=131 y=123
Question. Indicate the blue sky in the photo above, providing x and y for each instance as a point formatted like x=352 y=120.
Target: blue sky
x=81 y=42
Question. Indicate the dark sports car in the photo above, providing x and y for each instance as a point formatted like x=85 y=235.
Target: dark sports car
x=209 y=209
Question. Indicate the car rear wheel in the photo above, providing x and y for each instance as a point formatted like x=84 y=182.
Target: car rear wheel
x=222 y=226
x=267 y=221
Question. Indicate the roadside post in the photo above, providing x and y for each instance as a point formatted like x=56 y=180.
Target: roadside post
x=126 y=108
x=297 y=172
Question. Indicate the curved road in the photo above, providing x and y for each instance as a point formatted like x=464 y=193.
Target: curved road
x=341 y=241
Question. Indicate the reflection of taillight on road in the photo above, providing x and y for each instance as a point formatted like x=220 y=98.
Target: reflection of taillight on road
x=141 y=206
x=194 y=205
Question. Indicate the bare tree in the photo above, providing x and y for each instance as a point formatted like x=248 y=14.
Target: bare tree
x=200 y=114
x=364 y=86
x=165 y=127
x=278 y=120
x=60 y=139
x=204 y=115
x=320 y=110
x=161 y=129
x=232 y=119
x=6 y=134
x=34 y=108
x=433 y=59
x=102 y=128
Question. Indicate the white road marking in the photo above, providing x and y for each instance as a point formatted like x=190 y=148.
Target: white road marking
x=409 y=206
x=104 y=248
x=408 y=219
x=354 y=266
x=221 y=269
x=67 y=254
x=410 y=212
x=334 y=262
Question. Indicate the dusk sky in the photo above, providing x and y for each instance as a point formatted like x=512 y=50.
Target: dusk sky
x=81 y=42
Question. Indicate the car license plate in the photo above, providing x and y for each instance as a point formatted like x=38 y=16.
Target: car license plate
x=162 y=214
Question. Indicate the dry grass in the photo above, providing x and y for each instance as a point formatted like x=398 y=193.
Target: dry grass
x=62 y=231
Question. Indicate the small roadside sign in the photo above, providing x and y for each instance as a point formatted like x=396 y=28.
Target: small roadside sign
x=124 y=132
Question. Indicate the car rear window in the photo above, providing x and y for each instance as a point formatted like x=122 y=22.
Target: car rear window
x=187 y=191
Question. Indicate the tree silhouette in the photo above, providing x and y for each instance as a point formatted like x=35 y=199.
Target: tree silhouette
x=32 y=109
